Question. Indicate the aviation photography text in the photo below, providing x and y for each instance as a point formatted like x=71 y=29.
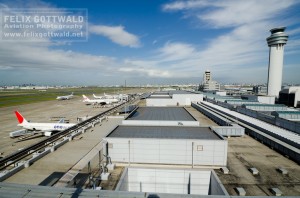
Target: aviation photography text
x=42 y=25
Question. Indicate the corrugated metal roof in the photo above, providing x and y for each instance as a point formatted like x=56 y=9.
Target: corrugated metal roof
x=241 y=100
x=127 y=109
x=145 y=95
x=173 y=92
x=160 y=96
x=160 y=93
x=181 y=92
x=266 y=105
x=286 y=112
x=161 y=113
x=290 y=135
x=164 y=132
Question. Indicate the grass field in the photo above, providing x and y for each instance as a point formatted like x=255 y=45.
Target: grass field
x=20 y=96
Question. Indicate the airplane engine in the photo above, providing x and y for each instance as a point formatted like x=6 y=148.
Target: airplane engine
x=47 y=133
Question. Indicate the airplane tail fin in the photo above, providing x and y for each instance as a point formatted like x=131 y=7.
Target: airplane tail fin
x=94 y=96
x=85 y=99
x=72 y=93
x=20 y=118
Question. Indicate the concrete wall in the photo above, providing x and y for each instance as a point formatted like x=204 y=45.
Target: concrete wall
x=159 y=123
x=281 y=122
x=186 y=99
x=266 y=99
x=221 y=93
x=178 y=181
x=267 y=108
x=286 y=146
x=156 y=102
x=215 y=186
x=176 y=100
x=227 y=128
x=168 y=151
x=229 y=131
x=123 y=184
x=297 y=98
x=215 y=117
x=262 y=99
x=288 y=116
x=240 y=102
x=167 y=181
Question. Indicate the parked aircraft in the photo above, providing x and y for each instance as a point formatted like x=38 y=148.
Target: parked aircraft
x=105 y=96
x=120 y=97
x=46 y=128
x=98 y=97
x=99 y=101
x=68 y=97
x=111 y=96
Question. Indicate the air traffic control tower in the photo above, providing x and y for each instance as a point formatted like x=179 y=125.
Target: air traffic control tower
x=276 y=42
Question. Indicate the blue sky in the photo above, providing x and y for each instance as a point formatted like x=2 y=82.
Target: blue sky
x=157 y=42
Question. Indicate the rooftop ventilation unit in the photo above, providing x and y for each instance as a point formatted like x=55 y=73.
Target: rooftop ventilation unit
x=276 y=191
x=240 y=191
x=254 y=171
x=225 y=170
x=282 y=171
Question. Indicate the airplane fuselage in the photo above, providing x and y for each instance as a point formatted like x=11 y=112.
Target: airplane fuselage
x=64 y=97
x=99 y=101
x=68 y=97
x=46 y=126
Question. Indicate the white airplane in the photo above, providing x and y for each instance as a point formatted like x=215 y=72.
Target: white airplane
x=98 y=97
x=120 y=96
x=99 y=101
x=46 y=128
x=105 y=96
x=111 y=96
x=68 y=97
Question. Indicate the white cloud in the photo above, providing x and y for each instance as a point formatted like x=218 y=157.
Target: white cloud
x=148 y=68
x=46 y=61
x=293 y=32
x=116 y=34
x=165 y=63
x=235 y=13
x=184 y=5
x=230 y=13
x=176 y=51
x=243 y=46
x=38 y=56
x=38 y=53
x=148 y=72
x=42 y=61
x=240 y=54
